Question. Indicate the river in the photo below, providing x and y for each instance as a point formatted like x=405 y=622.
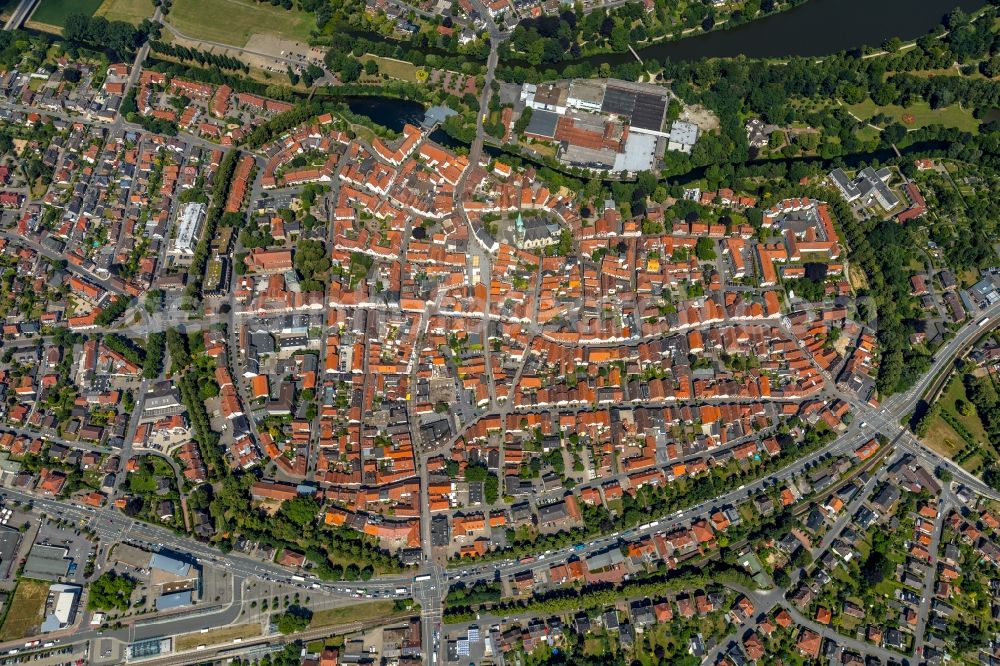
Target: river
x=815 y=28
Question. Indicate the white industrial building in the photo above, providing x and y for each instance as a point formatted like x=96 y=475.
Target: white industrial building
x=683 y=136
x=61 y=607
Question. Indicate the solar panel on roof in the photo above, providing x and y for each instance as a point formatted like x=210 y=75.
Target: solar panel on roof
x=617 y=101
x=649 y=112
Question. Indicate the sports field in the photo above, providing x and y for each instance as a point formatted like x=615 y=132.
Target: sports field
x=234 y=21
x=54 y=12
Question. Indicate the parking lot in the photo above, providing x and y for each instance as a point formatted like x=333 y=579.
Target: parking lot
x=78 y=547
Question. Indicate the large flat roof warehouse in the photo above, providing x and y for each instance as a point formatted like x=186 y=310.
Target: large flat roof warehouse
x=683 y=136
x=639 y=154
x=646 y=106
x=586 y=94
x=46 y=562
x=684 y=132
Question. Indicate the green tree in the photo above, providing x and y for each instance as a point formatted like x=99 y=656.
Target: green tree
x=705 y=249
x=111 y=592
x=301 y=511
x=294 y=619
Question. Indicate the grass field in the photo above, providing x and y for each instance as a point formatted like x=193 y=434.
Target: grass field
x=54 y=12
x=946 y=440
x=26 y=608
x=131 y=11
x=942 y=438
x=217 y=636
x=923 y=114
x=318 y=646
x=331 y=617
x=394 y=69
x=234 y=21
x=956 y=392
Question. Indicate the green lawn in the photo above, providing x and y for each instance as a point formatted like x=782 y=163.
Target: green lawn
x=394 y=69
x=348 y=614
x=131 y=11
x=867 y=133
x=217 y=636
x=25 y=611
x=54 y=12
x=234 y=21
x=318 y=646
x=955 y=392
x=942 y=438
x=946 y=440
x=923 y=115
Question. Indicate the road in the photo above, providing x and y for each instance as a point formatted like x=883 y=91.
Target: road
x=927 y=594
x=17 y=239
x=21 y=14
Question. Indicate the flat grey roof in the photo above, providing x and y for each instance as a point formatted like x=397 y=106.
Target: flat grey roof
x=46 y=562
x=684 y=132
x=619 y=102
x=639 y=154
x=543 y=123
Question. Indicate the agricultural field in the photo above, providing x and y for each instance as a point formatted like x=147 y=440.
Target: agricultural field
x=25 y=609
x=130 y=11
x=919 y=115
x=54 y=12
x=233 y=22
